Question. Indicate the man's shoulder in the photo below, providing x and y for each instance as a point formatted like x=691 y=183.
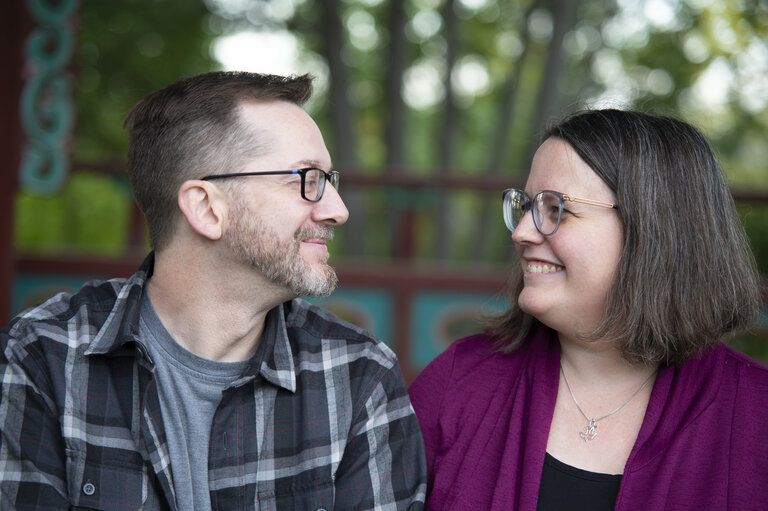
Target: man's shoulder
x=53 y=319
x=87 y=308
x=335 y=332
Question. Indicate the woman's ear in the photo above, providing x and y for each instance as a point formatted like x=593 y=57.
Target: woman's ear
x=204 y=206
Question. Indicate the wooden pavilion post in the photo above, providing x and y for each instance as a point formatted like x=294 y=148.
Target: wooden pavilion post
x=15 y=26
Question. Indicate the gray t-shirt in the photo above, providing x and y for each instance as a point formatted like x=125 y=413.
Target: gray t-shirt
x=190 y=389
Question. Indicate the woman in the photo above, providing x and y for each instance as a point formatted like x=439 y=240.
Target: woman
x=606 y=384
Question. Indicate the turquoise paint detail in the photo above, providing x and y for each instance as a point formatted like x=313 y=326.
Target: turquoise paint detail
x=46 y=107
x=29 y=290
x=48 y=14
x=438 y=319
x=372 y=310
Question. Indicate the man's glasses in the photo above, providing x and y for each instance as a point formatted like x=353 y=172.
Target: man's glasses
x=312 y=180
x=547 y=208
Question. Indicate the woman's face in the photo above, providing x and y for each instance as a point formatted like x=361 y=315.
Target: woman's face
x=567 y=275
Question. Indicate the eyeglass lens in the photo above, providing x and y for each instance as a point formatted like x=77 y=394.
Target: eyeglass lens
x=515 y=203
x=547 y=210
x=314 y=184
x=546 y=213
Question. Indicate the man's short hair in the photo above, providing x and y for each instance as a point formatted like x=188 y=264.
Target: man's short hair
x=190 y=129
x=686 y=277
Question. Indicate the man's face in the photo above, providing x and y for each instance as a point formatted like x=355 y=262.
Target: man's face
x=281 y=260
x=271 y=227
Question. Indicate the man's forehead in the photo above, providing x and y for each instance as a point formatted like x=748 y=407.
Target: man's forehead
x=280 y=126
x=265 y=118
x=270 y=108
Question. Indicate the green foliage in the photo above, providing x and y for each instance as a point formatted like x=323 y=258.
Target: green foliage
x=91 y=215
x=754 y=344
x=755 y=218
x=127 y=49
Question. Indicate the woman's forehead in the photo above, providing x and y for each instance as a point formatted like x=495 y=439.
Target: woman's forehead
x=557 y=166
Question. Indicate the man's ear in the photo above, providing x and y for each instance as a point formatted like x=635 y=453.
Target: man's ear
x=204 y=206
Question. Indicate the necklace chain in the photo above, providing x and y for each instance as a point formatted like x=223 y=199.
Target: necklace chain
x=590 y=432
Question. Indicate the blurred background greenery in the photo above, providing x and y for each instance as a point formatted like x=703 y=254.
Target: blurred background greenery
x=437 y=91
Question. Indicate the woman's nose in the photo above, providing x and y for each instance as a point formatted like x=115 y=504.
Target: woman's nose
x=526 y=230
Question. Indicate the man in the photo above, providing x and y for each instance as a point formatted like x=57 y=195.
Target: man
x=201 y=382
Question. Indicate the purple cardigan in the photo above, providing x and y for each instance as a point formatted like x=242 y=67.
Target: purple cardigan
x=485 y=416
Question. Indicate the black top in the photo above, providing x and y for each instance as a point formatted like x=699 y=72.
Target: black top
x=567 y=487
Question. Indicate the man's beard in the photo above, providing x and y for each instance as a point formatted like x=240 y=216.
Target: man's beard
x=257 y=244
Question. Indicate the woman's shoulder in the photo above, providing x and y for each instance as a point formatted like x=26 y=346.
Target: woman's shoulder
x=743 y=359
x=473 y=348
x=746 y=369
x=480 y=352
x=720 y=378
x=750 y=372
x=480 y=357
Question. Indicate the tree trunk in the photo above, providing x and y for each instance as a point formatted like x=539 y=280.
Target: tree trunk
x=549 y=105
x=343 y=130
x=448 y=132
x=506 y=113
x=396 y=120
x=396 y=125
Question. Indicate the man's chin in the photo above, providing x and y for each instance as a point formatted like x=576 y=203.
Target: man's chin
x=321 y=280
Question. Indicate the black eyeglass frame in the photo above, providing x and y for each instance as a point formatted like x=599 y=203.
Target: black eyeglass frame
x=511 y=224
x=330 y=176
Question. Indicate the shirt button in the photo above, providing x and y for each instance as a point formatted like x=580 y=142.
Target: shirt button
x=89 y=489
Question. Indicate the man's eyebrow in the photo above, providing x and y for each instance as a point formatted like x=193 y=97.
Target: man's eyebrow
x=310 y=163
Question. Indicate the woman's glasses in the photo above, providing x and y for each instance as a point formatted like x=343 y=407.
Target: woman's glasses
x=547 y=208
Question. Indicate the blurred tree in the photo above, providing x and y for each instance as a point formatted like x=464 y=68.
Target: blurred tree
x=127 y=49
x=445 y=86
x=89 y=216
x=438 y=88
x=487 y=76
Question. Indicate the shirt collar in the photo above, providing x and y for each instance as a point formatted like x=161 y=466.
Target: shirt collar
x=122 y=324
x=274 y=357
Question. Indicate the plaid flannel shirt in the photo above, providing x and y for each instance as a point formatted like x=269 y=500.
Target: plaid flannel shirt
x=323 y=422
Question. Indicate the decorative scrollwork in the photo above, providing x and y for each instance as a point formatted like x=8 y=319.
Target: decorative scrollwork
x=47 y=111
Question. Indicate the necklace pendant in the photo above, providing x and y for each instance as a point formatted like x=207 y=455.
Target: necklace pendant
x=590 y=432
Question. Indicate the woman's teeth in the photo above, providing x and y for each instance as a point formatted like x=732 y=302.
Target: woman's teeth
x=547 y=268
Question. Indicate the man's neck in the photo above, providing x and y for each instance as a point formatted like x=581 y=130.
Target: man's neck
x=217 y=317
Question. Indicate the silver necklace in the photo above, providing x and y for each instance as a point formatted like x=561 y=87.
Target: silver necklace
x=590 y=432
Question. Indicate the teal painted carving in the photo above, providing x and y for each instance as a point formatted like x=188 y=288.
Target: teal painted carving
x=47 y=110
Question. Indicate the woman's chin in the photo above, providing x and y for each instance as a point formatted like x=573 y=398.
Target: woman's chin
x=531 y=304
